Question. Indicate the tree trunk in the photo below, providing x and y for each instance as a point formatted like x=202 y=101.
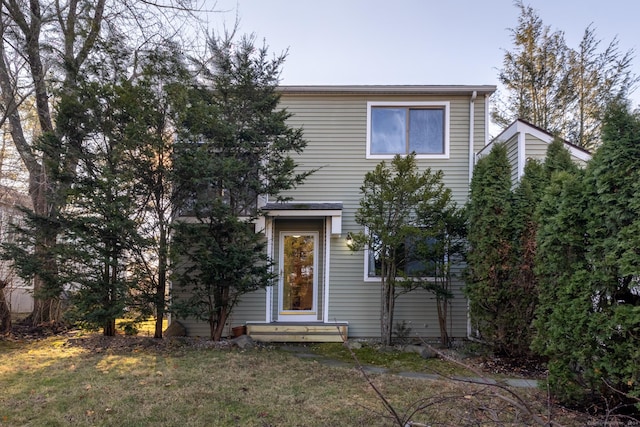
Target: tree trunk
x=386 y=325
x=46 y=302
x=442 y=304
x=109 y=328
x=5 y=313
x=223 y=315
x=26 y=19
x=161 y=282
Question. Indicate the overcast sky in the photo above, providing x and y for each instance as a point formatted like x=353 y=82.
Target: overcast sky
x=413 y=41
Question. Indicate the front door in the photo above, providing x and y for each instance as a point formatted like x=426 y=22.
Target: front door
x=298 y=287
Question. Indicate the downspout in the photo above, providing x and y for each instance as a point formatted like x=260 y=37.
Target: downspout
x=472 y=156
x=487 y=108
x=472 y=103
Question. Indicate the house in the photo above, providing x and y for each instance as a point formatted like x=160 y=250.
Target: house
x=525 y=141
x=17 y=292
x=324 y=287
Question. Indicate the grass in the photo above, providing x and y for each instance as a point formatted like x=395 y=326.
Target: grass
x=53 y=383
x=395 y=361
x=145 y=328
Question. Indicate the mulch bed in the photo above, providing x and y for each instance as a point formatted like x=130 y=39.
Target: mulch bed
x=517 y=367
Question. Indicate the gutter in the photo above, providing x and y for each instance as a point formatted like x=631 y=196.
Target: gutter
x=448 y=90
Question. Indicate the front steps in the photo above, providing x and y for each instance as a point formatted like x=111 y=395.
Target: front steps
x=298 y=331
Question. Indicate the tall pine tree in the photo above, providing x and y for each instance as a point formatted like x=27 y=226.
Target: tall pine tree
x=556 y=87
x=236 y=150
x=490 y=256
x=589 y=265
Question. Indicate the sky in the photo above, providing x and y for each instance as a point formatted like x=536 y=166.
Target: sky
x=430 y=42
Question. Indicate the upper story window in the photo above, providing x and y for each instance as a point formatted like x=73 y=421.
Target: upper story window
x=405 y=127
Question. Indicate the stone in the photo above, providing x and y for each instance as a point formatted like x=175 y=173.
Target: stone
x=175 y=329
x=424 y=352
x=243 y=342
x=353 y=345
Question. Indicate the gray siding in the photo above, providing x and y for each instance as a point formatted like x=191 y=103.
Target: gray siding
x=335 y=127
x=535 y=148
x=512 y=156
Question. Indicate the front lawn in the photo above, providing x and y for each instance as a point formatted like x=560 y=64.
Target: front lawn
x=60 y=381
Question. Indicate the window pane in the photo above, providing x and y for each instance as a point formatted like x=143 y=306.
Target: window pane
x=374 y=258
x=415 y=258
x=298 y=280
x=426 y=131
x=388 y=131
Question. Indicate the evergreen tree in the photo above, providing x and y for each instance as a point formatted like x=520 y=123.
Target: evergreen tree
x=47 y=50
x=524 y=282
x=588 y=323
x=558 y=88
x=612 y=180
x=596 y=77
x=398 y=210
x=561 y=265
x=558 y=159
x=99 y=229
x=490 y=256
x=535 y=74
x=442 y=246
x=160 y=91
x=236 y=151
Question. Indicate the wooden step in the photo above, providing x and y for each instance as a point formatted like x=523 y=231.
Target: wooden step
x=298 y=332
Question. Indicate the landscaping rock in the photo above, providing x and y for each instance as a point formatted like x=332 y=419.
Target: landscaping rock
x=243 y=342
x=175 y=329
x=424 y=352
x=353 y=345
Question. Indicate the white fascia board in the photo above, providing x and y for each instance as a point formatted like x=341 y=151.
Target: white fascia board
x=579 y=154
x=304 y=212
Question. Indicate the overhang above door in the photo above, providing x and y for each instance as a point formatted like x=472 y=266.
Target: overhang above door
x=307 y=209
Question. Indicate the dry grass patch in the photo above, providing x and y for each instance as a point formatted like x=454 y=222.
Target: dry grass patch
x=53 y=383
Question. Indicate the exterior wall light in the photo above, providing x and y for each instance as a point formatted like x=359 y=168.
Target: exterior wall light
x=349 y=239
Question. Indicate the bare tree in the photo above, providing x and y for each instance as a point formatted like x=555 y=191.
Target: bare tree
x=46 y=48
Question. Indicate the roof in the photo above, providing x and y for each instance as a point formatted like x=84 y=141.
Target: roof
x=539 y=129
x=307 y=210
x=303 y=206
x=520 y=125
x=390 y=89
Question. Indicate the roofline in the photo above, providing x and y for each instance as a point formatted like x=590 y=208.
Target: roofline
x=389 y=89
x=514 y=128
x=577 y=147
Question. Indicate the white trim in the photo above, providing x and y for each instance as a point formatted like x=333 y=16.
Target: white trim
x=328 y=225
x=521 y=129
x=304 y=212
x=522 y=154
x=389 y=89
x=269 y=297
x=368 y=278
x=578 y=154
x=306 y=315
x=443 y=104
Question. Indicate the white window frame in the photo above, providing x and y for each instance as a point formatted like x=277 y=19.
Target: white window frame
x=445 y=105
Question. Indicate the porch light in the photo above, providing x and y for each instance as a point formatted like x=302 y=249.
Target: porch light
x=349 y=239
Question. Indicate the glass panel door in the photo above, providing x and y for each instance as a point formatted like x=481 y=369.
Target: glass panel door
x=298 y=282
